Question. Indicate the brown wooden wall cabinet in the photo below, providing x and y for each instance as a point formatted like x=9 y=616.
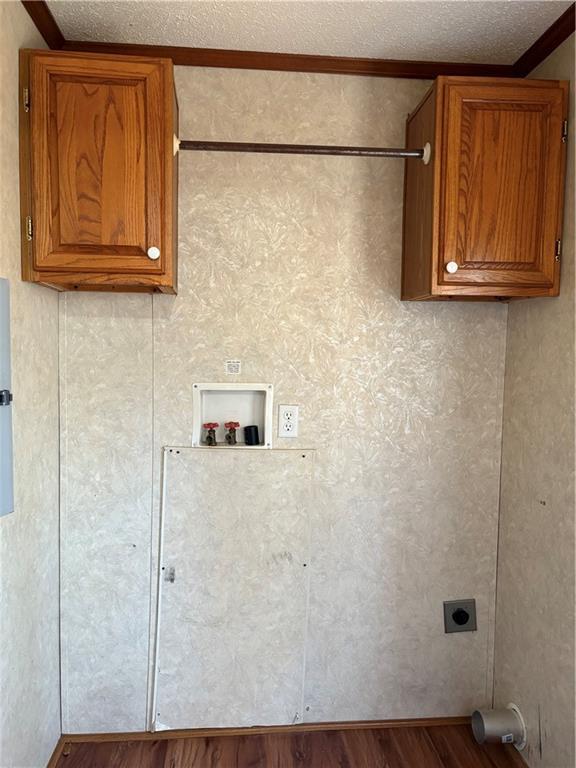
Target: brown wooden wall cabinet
x=98 y=171
x=483 y=219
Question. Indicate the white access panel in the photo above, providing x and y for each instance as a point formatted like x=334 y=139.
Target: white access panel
x=234 y=582
x=6 y=469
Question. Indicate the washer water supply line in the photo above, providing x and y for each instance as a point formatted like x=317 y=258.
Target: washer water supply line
x=501 y=726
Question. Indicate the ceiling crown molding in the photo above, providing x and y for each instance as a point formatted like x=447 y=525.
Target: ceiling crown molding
x=294 y=62
x=46 y=24
x=562 y=28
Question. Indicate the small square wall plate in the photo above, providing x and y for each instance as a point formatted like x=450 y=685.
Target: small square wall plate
x=460 y=615
x=246 y=403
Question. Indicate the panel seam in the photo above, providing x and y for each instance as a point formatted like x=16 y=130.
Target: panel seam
x=499 y=517
x=308 y=589
x=148 y=714
x=62 y=465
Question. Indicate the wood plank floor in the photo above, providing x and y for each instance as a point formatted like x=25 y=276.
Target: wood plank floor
x=449 y=746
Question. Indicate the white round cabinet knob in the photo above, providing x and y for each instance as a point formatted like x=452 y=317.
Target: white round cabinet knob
x=451 y=267
x=153 y=253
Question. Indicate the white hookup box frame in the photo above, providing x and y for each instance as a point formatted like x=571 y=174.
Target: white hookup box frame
x=246 y=403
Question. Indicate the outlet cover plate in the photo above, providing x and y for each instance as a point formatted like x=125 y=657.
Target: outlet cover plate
x=288 y=420
x=455 y=612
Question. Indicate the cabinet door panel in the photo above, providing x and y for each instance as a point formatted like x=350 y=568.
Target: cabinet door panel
x=102 y=172
x=503 y=182
x=98 y=160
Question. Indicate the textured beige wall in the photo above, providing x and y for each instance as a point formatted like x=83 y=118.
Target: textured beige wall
x=29 y=658
x=106 y=442
x=535 y=618
x=293 y=265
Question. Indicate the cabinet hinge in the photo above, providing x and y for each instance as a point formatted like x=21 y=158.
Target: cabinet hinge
x=565 y=131
x=26 y=99
x=5 y=397
x=29 y=228
x=558 y=249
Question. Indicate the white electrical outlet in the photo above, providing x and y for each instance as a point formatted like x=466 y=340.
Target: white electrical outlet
x=287 y=421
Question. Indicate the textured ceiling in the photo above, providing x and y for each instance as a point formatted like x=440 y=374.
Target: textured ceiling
x=489 y=31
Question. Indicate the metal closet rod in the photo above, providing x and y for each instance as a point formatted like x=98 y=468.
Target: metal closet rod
x=299 y=149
